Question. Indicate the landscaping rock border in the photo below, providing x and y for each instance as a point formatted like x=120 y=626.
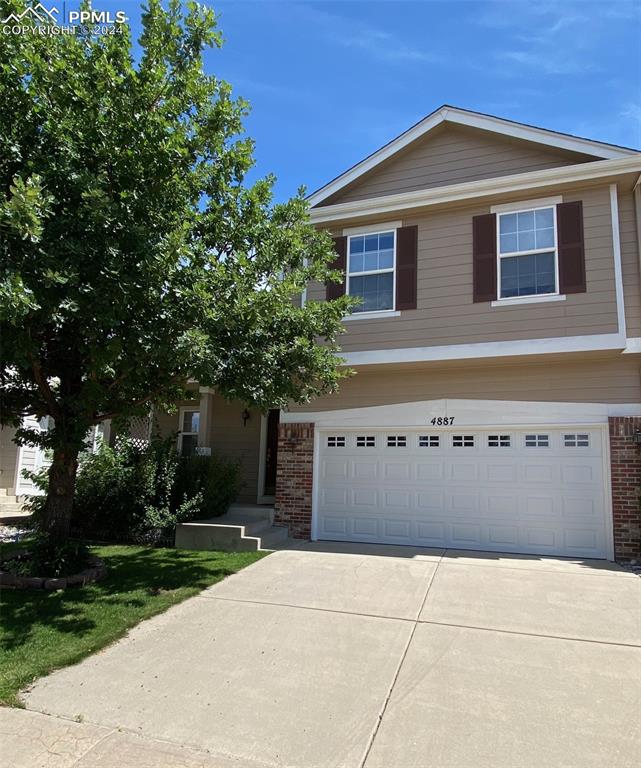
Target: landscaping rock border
x=96 y=571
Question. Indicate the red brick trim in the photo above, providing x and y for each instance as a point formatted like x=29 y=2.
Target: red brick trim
x=625 y=458
x=295 y=466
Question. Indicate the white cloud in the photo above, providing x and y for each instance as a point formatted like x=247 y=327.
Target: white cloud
x=377 y=43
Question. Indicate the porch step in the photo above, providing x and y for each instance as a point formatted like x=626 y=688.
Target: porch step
x=242 y=529
x=12 y=512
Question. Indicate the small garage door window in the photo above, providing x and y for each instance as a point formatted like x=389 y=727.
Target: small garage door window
x=463 y=441
x=576 y=441
x=498 y=441
x=537 y=441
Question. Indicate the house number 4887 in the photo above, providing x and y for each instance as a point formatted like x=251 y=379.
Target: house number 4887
x=442 y=421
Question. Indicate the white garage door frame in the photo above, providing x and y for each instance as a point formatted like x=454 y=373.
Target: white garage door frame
x=324 y=430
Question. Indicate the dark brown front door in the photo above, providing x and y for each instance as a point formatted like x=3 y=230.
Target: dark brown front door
x=271 y=452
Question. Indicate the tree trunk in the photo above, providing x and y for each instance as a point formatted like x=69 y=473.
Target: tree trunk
x=62 y=482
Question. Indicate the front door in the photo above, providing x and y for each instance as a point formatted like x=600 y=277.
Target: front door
x=271 y=452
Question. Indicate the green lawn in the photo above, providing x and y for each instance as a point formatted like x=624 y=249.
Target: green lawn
x=41 y=631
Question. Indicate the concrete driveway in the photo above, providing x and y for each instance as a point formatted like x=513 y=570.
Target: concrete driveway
x=382 y=657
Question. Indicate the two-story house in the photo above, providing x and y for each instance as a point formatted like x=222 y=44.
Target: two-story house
x=496 y=401
x=497 y=347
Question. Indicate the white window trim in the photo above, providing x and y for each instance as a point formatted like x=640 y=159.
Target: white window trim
x=372 y=229
x=525 y=207
x=348 y=274
x=181 y=413
x=381 y=313
x=540 y=202
x=541 y=298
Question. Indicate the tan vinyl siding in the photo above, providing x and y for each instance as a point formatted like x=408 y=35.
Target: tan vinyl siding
x=630 y=263
x=612 y=379
x=446 y=313
x=452 y=155
x=231 y=439
x=8 y=458
x=226 y=436
x=167 y=424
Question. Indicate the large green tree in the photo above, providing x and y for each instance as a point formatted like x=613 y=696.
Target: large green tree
x=133 y=254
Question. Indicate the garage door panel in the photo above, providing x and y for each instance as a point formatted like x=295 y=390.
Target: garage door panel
x=334 y=525
x=503 y=506
x=579 y=473
x=430 y=471
x=430 y=501
x=535 y=491
x=397 y=498
x=503 y=535
x=466 y=535
x=365 y=497
x=365 y=526
x=463 y=472
x=366 y=469
x=541 y=538
x=335 y=469
x=396 y=470
x=397 y=529
x=429 y=533
x=580 y=508
x=540 y=507
x=500 y=473
x=538 y=473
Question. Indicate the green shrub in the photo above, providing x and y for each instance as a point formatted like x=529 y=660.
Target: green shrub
x=47 y=559
x=215 y=478
x=142 y=493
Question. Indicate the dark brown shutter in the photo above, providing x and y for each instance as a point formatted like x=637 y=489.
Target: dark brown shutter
x=406 y=251
x=336 y=290
x=484 y=257
x=569 y=226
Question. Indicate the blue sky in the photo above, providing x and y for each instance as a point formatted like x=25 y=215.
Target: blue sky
x=330 y=82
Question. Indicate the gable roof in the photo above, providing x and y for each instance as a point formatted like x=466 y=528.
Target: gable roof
x=498 y=125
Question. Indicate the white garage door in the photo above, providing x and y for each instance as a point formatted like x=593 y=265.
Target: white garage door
x=538 y=491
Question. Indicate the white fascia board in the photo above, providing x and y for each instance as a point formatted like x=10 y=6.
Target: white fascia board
x=466 y=413
x=537 y=135
x=470 y=190
x=489 y=349
x=474 y=120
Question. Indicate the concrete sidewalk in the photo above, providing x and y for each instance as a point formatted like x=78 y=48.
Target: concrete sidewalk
x=349 y=656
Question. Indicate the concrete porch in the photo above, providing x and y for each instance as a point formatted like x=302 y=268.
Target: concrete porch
x=244 y=528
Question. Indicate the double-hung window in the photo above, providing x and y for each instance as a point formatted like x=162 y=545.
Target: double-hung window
x=370 y=270
x=527 y=253
x=189 y=428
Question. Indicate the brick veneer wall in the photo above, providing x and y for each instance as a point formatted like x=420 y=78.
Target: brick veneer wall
x=294 y=479
x=625 y=457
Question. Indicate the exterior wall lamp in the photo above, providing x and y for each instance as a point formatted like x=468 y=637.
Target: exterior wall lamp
x=636 y=437
x=245 y=417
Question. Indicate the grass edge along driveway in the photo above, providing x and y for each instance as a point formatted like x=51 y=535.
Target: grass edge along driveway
x=42 y=631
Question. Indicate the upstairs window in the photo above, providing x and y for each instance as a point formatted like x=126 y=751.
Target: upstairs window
x=370 y=270
x=527 y=253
